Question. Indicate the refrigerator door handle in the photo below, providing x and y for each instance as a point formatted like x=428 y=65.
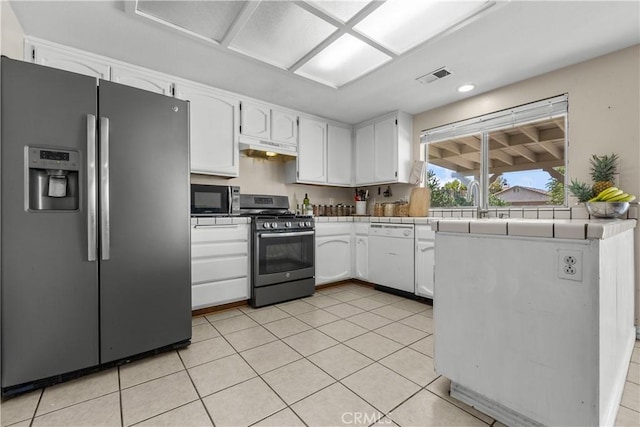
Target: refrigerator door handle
x=105 y=249
x=92 y=217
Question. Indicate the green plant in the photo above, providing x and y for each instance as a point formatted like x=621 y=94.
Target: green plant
x=581 y=190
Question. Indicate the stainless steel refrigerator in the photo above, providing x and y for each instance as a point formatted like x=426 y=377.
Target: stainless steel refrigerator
x=95 y=253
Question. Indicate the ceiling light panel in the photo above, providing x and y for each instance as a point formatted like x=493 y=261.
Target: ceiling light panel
x=280 y=33
x=344 y=60
x=206 y=19
x=340 y=10
x=400 y=25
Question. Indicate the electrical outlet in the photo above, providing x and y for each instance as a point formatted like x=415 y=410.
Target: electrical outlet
x=570 y=265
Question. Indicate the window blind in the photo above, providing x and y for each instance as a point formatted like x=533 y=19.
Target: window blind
x=544 y=109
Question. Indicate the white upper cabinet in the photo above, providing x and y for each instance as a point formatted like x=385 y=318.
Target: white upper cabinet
x=312 y=151
x=363 y=153
x=67 y=59
x=213 y=124
x=142 y=79
x=383 y=152
x=339 y=165
x=284 y=127
x=255 y=120
x=324 y=154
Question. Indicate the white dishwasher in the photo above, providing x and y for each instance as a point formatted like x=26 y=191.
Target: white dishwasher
x=391 y=255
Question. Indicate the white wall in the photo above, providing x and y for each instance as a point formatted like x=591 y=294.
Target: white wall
x=604 y=117
x=11 y=33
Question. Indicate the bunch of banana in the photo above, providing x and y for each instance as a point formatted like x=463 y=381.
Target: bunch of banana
x=613 y=194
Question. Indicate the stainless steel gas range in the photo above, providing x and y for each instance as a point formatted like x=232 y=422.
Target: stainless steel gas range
x=282 y=253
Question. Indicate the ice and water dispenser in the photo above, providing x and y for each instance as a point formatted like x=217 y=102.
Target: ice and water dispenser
x=53 y=183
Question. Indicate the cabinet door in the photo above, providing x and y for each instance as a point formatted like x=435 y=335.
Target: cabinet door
x=385 y=150
x=284 y=127
x=364 y=155
x=214 y=124
x=255 y=120
x=312 y=151
x=70 y=61
x=142 y=80
x=339 y=155
x=425 y=261
x=361 y=264
x=333 y=258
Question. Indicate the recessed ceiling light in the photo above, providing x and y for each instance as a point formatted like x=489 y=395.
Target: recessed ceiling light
x=466 y=87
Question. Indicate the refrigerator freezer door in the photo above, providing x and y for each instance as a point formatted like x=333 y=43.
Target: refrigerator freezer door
x=145 y=285
x=49 y=286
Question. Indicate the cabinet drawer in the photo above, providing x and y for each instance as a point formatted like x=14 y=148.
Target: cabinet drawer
x=425 y=233
x=220 y=233
x=215 y=269
x=333 y=229
x=225 y=249
x=216 y=293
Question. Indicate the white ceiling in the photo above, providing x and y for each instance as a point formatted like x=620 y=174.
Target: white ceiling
x=514 y=41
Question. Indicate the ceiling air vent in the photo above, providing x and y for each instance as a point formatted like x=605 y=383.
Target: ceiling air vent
x=434 y=75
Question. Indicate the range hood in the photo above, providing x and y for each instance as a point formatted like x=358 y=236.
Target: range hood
x=267 y=149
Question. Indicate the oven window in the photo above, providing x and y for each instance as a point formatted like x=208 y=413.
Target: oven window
x=282 y=254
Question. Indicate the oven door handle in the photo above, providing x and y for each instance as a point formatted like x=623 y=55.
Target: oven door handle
x=294 y=234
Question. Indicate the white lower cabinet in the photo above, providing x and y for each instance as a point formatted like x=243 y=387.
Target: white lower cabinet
x=333 y=252
x=360 y=252
x=425 y=260
x=219 y=264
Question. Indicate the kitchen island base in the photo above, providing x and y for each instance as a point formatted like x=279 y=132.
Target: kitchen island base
x=519 y=334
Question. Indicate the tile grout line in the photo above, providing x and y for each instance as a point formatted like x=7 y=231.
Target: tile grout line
x=35 y=410
x=262 y=379
x=120 y=398
x=193 y=384
x=320 y=368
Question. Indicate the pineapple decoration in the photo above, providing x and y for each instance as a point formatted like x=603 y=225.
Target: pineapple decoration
x=602 y=170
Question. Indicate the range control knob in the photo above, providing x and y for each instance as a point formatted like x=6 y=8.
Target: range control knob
x=308 y=223
x=406 y=232
x=287 y=224
x=274 y=225
x=266 y=225
x=301 y=224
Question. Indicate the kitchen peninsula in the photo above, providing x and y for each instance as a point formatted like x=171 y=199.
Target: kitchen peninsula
x=522 y=304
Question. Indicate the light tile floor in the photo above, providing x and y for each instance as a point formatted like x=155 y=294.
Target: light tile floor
x=347 y=355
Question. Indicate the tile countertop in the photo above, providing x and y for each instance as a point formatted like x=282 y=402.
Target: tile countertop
x=547 y=228
x=553 y=228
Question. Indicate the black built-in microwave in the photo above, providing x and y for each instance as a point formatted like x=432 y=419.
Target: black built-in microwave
x=209 y=200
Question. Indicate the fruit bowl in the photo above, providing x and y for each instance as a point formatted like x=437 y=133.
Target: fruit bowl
x=607 y=209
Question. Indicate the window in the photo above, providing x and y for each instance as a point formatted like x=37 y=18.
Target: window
x=516 y=158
